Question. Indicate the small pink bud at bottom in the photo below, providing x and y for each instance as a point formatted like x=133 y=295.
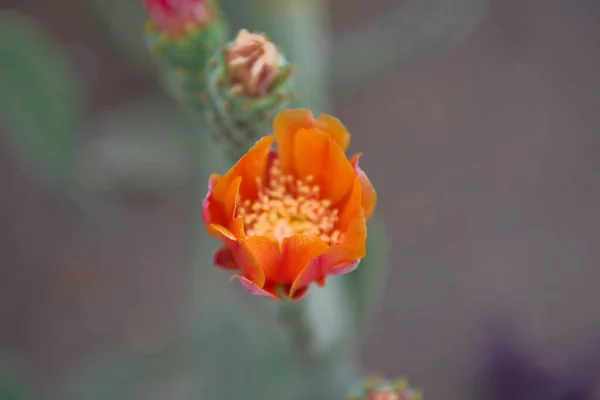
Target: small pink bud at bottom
x=377 y=388
x=252 y=64
x=383 y=395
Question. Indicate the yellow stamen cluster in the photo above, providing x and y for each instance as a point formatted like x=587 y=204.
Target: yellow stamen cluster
x=287 y=206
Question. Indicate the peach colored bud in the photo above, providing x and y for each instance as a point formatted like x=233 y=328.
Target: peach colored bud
x=252 y=64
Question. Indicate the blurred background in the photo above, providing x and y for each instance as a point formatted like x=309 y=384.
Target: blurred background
x=479 y=125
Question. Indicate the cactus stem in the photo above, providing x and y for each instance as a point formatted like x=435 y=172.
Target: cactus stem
x=191 y=28
x=212 y=63
x=201 y=77
x=225 y=49
x=226 y=106
x=162 y=40
x=203 y=96
x=182 y=42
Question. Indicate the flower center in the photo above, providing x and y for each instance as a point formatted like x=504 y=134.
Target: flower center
x=286 y=206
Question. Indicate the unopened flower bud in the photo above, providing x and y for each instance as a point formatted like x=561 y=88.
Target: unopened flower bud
x=174 y=17
x=249 y=82
x=252 y=63
x=181 y=36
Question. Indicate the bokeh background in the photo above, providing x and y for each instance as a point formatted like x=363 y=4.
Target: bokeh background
x=481 y=136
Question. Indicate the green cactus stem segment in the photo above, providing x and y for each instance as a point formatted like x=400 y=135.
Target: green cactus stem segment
x=181 y=58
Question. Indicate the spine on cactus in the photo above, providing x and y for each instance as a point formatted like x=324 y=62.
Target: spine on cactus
x=248 y=82
x=377 y=388
x=181 y=36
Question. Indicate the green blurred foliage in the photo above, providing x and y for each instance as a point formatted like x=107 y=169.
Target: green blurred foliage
x=124 y=20
x=38 y=97
x=141 y=145
x=223 y=350
x=364 y=286
x=12 y=388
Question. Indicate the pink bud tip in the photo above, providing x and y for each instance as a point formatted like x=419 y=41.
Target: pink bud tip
x=173 y=16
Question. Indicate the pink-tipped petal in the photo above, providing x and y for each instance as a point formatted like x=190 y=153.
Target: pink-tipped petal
x=344 y=268
x=253 y=288
x=335 y=261
x=243 y=258
x=212 y=181
x=316 y=269
x=369 y=195
x=223 y=258
x=212 y=211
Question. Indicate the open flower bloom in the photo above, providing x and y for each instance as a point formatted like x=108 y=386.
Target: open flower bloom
x=291 y=216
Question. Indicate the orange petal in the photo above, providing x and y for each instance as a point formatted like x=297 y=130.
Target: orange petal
x=341 y=258
x=314 y=271
x=243 y=258
x=309 y=152
x=350 y=206
x=212 y=211
x=232 y=198
x=337 y=176
x=337 y=260
x=335 y=129
x=297 y=252
x=369 y=195
x=268 y=255
x=251 y=165
x=285 y=126
x=355 y=235
x=236 y=227
x=254 y=289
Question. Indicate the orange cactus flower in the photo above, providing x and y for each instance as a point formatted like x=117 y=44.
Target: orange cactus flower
x=291 y=216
